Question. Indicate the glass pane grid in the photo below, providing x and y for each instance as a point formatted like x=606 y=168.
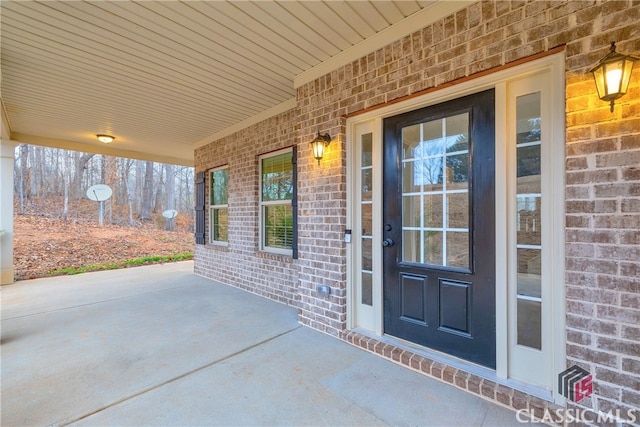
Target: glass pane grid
x=435 y=170
x=528 y=220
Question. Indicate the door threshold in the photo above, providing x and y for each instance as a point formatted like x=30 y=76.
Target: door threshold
x=454 y=362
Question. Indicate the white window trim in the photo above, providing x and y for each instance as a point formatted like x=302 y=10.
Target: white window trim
x=555 y=65
x=212 y=207
x=261 y=205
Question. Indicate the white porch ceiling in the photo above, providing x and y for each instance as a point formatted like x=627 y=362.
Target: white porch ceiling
x=165 y=76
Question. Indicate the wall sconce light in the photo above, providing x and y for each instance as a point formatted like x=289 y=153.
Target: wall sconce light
x=106 y=138
x=319 y=144
x=612 y=75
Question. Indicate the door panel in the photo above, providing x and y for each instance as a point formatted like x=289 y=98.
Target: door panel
x=439 y=238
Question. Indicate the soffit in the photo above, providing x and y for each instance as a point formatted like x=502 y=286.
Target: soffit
x=164 y=76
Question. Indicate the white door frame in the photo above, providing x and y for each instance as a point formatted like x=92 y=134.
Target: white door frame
x=500 y=80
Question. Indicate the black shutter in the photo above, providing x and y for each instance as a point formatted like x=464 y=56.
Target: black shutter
x=200 y=201
x=294 y=202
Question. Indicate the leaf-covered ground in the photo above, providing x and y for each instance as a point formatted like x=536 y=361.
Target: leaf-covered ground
x=44 y=244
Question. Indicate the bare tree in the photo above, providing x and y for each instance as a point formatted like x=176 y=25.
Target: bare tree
x=23 y=178
x=147 y=192
x=157 y=205
x=81 y=165
x=171 y=194
x=139 y=184
x=67 y=182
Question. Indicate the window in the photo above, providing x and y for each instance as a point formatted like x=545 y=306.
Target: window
x=277 y=202
x=219 y=206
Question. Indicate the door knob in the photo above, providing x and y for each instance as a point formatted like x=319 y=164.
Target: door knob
x=387 y=242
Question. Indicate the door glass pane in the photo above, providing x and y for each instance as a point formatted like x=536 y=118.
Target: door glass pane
x=367 y=152
x=367 y=288
x=411 y=249
x=433 y=247
x=433 y=211
x=457 y=134
x=367 y=254
x=458 y=171
x=435 y=183
x=367 y=219
x=528 y=220
x=411 y=211
x=458 y=249
x=410 y=141
x=367 y=184
x=430 y=172
x=411 y=176
x=458 y=210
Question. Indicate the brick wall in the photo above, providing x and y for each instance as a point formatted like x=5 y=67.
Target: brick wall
x=603 y=154
x=603 y=174
x=240 y=263
x=603 y=213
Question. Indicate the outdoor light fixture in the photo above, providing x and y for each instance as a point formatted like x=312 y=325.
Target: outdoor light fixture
x=612 y=75
x=106 y=138
x=319 y=144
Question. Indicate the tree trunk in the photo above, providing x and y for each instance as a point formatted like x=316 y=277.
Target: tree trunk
x=23 y=180
x=147 y=192
x=170 y=185
x=67 y=181
x=157 y=205
x=139 y=185
x=81 y=165
x=36 y=164
x=110 y=178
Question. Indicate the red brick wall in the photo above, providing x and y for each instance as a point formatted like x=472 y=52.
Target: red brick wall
x=602 y=161
x=240 y=263
x=603 y=213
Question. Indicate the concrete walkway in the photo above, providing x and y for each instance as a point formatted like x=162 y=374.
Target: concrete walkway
x=158 y=345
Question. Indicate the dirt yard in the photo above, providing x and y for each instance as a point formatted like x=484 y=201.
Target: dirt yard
x=43 y=244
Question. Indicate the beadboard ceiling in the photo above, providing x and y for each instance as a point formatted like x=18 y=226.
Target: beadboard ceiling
x=164 y=77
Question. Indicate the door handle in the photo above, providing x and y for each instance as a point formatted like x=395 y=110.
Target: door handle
x=387 y=242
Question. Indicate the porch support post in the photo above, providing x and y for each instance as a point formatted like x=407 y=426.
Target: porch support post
x=7 y=150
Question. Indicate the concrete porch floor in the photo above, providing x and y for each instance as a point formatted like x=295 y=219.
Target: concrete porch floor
x=159 y=345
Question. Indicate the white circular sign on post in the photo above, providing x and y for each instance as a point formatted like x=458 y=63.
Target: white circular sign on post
x=99 y=192
x=170 y=213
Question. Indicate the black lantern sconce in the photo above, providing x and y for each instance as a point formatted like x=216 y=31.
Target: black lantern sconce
x=612 y=75
x=319 y=144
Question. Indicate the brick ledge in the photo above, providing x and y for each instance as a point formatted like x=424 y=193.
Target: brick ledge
x=500 y=394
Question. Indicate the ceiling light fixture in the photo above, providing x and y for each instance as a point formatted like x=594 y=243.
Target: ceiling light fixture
x=105 y=138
